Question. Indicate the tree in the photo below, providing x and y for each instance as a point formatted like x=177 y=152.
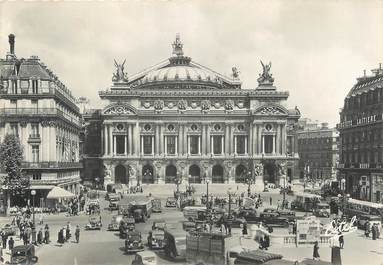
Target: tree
x=11 y=156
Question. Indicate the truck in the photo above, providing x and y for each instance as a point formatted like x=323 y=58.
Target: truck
x=211 y=248
x=141 y=210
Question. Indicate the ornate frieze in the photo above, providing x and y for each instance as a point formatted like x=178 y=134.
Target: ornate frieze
x=270 y=111
x=205 y=105
x=119 y=110
x=158 y=105
x=229 y=105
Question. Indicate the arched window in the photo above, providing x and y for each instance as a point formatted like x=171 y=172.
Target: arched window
x=147 y=174
x=240 y=174
x=170 y=174
x=195 y=174
x=217 y=174
x=120 y=174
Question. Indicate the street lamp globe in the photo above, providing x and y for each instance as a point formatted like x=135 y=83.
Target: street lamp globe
x=33 y=192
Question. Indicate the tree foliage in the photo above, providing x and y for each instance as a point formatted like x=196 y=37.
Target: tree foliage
x=11 y=156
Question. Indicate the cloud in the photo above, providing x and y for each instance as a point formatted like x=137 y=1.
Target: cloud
x=317 y=48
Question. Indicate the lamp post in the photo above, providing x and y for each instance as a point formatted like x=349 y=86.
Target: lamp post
x=230 y=193
x=33 y=193
x=207 y=194
x=343 y=196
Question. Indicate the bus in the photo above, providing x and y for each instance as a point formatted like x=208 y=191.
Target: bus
x=305 y=202
x=358 y=208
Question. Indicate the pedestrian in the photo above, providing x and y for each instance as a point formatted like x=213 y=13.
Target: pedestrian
x=41 y=218
x=271 y=201
x=374 y=231
x=77 y=233
x=25 y=238
x=244 y=229
x=46 y=234
x=11 y=243
x=278 y=204
x=267 y=242
x=4 y=238
x=316 y=251
x=262 y=242
x=40 y=236
x=341 y=240
x=367 y=228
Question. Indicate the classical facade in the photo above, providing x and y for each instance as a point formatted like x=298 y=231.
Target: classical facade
x=182 y=121
x=37 y=107
x=361 y=138
x=318 y=151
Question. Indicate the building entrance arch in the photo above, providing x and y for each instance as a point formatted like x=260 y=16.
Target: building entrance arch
x=270 y=172
x=240 y=174
x=170 y=174
x=217 y=174
x=147 y=174
x=121 y=176
x=195 y=174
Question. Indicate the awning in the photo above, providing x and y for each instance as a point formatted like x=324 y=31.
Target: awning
x=59 y=193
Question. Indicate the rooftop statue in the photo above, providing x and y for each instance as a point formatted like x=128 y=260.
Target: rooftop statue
x=177 y=46
x=235 y=72
x=120 y=75
x=266 y=78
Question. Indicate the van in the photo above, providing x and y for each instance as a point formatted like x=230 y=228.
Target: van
x=192 y=213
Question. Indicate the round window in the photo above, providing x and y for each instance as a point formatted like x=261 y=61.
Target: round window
x=268 y=127
x=194 y=127
x=217 y=127
x=171 y=127
x=147 y=127
x=241 y=127
x=120 y=126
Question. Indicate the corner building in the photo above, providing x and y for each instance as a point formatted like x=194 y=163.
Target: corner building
x=182 y=121
x=37 y=107
x=361 y=138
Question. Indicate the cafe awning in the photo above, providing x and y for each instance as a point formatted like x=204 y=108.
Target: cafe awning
x=60 y=193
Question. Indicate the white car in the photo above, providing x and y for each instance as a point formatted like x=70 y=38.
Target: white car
x=145 y=258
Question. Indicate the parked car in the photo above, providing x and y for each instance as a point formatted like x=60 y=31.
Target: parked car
x=156 y=239
x=126 y=224
x=362 y=219
x=273 y=219
x=322 y=210
x=9 y=230
x=159 y=225
x=145 y=258
x=171 y=202
x=115 y=223
x=23 y=254
x=290 y=215
x=94 y=222
x=133 y=242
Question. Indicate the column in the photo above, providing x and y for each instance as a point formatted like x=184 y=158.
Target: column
x=250 y=147
x=185 y=140
x=274 y=143
x=211 y=145
x=260 y=139
x=227 y=137
x=254 y=142
x=142 y=145
x=157 y=140
x=166 y=145
x=208 y=141
x=188 y=151
x=203 y=151
x=199 y=144
x=114 y=145
x=161 y=138
x=246 y=148
x=283 y=136
x=106 y=140
x=125 y=145
x=176 y=143
x=103 y=141
x=136 y=141
x=153 y=144
x=179 y=140
x=278 y=139
x=235 y=144
x=130 y=139
x=263 y=144
x=222 y=146
x=110 y=139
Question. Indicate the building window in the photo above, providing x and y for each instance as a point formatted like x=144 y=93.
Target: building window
x=35 y=86
x=171 y=145
x=194 y=127
x=217 y=144
x=36 y=176
x=14 y=86
x=269 y=139
x=14 y=129
x=34 y=130
x=147 y=127
x=241 y=144
x=194 y=145
x=148 y=145
x=120 y=144
x=171 y=127
x=35 y=153
x=289 y=145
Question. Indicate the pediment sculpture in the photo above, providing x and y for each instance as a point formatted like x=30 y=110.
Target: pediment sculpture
x=266 y=78
x=119 y=110
x=119 y=75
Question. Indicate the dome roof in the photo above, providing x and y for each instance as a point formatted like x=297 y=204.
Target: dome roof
x=180 y=73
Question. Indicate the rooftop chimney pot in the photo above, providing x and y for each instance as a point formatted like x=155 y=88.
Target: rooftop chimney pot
x=11 y=39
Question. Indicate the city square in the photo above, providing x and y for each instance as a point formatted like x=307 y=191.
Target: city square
x=164 y=149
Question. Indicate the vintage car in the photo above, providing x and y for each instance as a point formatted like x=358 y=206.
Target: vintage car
x=363 y=219
x=126 y=224
x=94 y=222
x=133 y=242
x=24 y=254
x=93 y=207
x=156 y=239
x=9 y=230
x=237 y=222
x=273 y=219
x=249 y=215
x=115 y=223
x=156 y=206
x=322 y=210
x=290 y=215
x=171 y=202
x=145 y=257
x=159 y=225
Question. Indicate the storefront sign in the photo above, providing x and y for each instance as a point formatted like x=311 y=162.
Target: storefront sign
x=308 y=230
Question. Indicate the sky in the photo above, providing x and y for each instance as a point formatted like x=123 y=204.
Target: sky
x=317 y=48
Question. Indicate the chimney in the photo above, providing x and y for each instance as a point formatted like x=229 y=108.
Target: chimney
x=11 y=39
